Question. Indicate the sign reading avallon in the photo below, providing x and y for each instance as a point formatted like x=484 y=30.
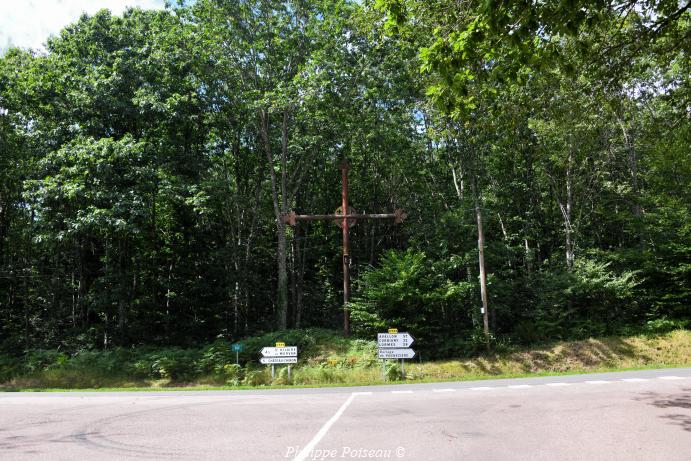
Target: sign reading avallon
x=394 y=340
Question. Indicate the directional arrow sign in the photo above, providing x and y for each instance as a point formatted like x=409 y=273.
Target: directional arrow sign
x=396 y=353
x=290 y=351
x=270 y=360
x=394 y=340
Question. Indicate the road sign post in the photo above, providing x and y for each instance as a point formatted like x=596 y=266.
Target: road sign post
x=237 y=348
x=280 y=354
x=393 y=345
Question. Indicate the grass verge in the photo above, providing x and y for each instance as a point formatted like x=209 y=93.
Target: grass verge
x=340 y=362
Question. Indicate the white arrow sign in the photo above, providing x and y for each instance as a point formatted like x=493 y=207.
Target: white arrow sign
x=270 y=360
x=396 y=353
x=289 y=351
x=394 y=340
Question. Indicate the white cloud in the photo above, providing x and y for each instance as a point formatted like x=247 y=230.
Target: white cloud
x=28 y=23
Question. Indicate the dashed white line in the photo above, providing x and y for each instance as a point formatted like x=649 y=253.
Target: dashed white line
x=634 y=380
x=482 y=388
x=557 y=384
x=362 y=393
x=598 y=382
x=520 y=386
x=401 y=392
x=443 y=390
x=669 y=377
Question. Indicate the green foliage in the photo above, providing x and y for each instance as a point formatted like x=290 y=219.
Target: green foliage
x=145 y=160
x=141 y=367
x=392 y=371
x=410 y=292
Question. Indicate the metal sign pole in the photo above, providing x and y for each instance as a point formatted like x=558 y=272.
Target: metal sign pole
x=237 y=357
x=273 y=372
x=288 y=372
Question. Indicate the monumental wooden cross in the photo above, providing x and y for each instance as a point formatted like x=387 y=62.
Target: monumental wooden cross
x=345 y=220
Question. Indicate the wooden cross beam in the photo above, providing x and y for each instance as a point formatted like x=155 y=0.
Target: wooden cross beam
x=345 y=217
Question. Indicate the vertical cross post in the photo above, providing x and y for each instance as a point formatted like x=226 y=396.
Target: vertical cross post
x=346 y=246
x=345 y=218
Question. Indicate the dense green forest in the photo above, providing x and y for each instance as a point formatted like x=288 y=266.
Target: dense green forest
x=146 y=159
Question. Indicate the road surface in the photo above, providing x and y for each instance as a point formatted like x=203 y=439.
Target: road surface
x=641 y=415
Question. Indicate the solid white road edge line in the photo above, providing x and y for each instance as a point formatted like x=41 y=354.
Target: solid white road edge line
x=401 y=392
x=483 y=388
x=598 y=382
x=670 y=377
x=519 y=386
x=557 y=384
x=307 y=450
x=634 y=380
x=443 y=390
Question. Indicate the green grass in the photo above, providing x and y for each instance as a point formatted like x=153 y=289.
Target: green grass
x=193 y=387
x=329 y=361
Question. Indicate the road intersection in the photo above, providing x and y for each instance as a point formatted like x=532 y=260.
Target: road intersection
x=628 y=416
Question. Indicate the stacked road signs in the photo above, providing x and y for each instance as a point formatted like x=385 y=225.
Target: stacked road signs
x=278 y=355
x=394 y=345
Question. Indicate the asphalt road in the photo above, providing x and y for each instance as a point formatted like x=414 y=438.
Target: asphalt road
x=642 y=415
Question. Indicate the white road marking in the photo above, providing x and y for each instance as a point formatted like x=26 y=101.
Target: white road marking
x=634 y=380
x=483 y=388
x=669 y=377
x=307 y=450
x=443 y=390
x=520 y=386
x=401 y=392
x=362 y=393
x=598 y=382
x=557 y=384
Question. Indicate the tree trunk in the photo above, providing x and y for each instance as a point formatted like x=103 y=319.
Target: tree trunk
x=481 y=261
x=282 y=289
x=568 y=228
x=280 y=207
x=299 y=279
x=169 y=295
x=123 y=292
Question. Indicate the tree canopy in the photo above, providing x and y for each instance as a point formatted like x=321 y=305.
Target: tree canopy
x=146 y=159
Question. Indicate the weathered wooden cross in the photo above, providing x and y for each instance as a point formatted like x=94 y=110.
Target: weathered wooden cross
x=345 y=220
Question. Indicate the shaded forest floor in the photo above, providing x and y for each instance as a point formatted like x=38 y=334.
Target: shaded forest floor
x=326 y=359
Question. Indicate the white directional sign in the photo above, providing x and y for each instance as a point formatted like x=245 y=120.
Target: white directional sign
x=289 y=351
x=394 y=340
x=271 y=360
x=396 y=353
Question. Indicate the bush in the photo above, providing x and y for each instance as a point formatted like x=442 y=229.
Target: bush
x=176 y=364
x=410 y=291
x=664 y=325
x=9 y=368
